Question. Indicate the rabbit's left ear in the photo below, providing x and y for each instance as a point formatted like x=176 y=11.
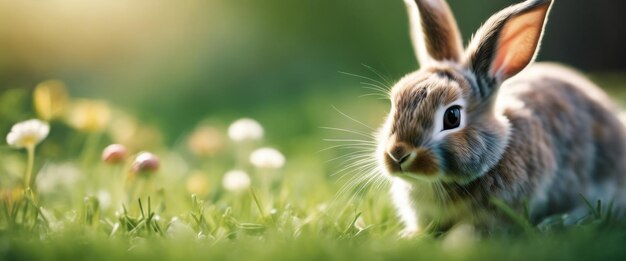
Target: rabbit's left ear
x=434 y=31
x=508 y=41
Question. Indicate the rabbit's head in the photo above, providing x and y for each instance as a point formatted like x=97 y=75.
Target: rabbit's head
x=443 y=124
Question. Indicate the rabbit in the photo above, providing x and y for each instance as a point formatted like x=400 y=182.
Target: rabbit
x=480 y=123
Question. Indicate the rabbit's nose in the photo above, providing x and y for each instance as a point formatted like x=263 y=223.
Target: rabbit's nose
x=399 y=152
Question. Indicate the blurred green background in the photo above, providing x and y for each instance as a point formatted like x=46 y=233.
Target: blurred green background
x=293 y=65
x=175 y=63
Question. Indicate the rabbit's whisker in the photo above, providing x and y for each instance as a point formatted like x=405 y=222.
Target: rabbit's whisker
x=353 y=119
x=380 y=75
x=362 y=77
x=350 y=131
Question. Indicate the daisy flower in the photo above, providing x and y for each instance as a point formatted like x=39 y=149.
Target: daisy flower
x=267 y=158
x=236 y=181
x=245 y=129
x=28 y=134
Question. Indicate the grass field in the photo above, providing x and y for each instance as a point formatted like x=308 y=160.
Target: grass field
x=82 y=208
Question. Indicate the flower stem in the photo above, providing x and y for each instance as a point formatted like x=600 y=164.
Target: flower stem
x=90 y=148
x=29 y=166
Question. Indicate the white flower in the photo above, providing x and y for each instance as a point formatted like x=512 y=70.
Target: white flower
x=57 y=177
x=360 y=224
x=27 y=133
x=180 y=230
x=459 y=237
x=104 y=198
x=267 y=158
x=245 y=129
x=236 y=181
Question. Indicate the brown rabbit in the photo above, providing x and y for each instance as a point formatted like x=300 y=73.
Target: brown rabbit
x=476 y=124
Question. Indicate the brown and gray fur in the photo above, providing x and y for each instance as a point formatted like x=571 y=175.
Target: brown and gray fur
x=541 y=134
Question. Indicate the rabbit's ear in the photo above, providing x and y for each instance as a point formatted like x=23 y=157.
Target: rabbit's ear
x=507 y=42
x=434 y=31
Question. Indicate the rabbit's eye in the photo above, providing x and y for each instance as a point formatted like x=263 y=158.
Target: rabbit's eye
x=452 y=118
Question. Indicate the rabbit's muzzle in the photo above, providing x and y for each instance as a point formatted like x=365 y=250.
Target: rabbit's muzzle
x=403 y=158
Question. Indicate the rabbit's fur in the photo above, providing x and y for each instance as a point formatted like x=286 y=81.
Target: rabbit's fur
x=542 y=135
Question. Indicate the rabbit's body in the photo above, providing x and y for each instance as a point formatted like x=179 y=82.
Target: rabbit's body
x=564 y=141
x=582 y=142
x=471 y=127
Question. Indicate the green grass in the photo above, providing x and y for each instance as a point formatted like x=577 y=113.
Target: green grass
x=294 y=213
x=305 y=236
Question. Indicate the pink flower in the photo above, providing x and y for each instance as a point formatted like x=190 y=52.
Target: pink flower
x=145 y=162
x=114 y=154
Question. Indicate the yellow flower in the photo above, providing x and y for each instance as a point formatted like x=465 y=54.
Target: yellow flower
x=90 y=115
x=205 y=141
x=123 y=128
x=50 y=99
x=11 y=196
x=146 y=137
x=198 y=183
